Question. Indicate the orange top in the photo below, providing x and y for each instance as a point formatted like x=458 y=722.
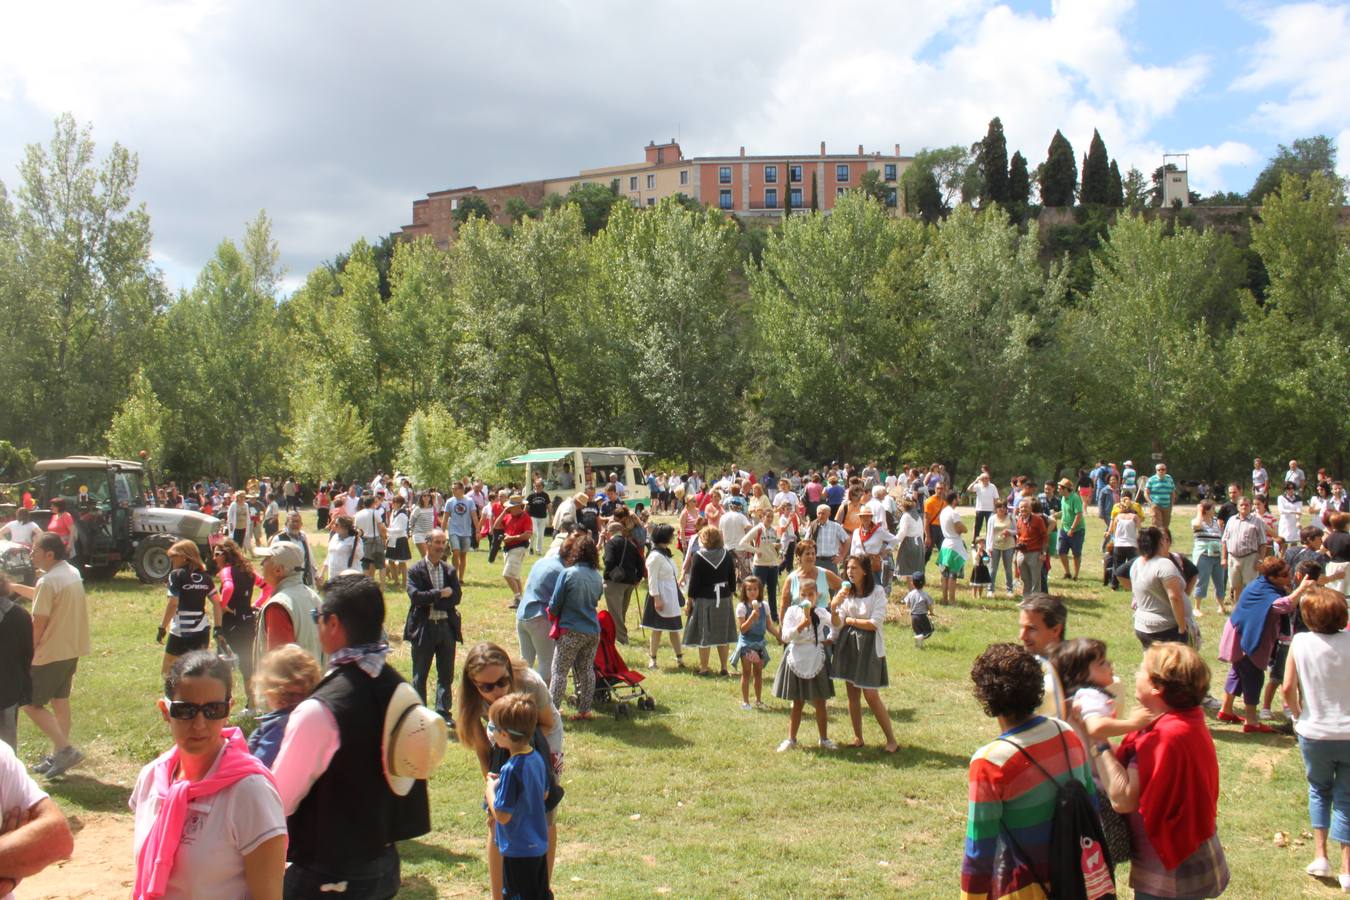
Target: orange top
x=932 y=508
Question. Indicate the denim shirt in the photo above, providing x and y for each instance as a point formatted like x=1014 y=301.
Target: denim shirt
x=539 y=587
x=575 y=597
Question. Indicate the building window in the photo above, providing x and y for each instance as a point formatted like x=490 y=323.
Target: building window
x=684 y=176
x=724 y=199
x=839 y=191
x=841 y=172
x=724 y=175
x=632 y=183
x=890 y=171
x=795 y=198
x=651 y=182
x=891 y=199
x=770 y=174
x=794 y=174
x=651 y=201
x=771 y=198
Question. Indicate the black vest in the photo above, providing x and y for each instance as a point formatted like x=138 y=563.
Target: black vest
x=350 y=815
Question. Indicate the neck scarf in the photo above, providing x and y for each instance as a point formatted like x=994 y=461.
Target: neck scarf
x=1179 y=772
x=155 y=861
x=369 y=658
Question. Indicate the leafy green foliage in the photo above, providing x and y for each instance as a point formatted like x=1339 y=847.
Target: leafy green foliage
x=1019 y=186
x=1059 y=173
x=1115 y=188
x=1304 y=158
x=872 y=185
x=138 y=425
x=15 y=462
x=596 y=202
x=992 y=158
x=1096 y=173
x=433 y=447
x=329 y=438
x=472 y=206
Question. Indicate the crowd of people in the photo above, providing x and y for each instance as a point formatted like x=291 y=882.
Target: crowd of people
x=819 y=562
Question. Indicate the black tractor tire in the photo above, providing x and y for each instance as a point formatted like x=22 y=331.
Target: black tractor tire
x=151 y=559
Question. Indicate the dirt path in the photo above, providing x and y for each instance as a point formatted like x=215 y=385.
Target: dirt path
x=101 y=867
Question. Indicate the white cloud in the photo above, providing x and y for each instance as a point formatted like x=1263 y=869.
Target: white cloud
x=1303 y=54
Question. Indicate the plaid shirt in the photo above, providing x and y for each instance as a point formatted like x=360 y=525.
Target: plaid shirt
x=437 y=575
x=1243 y=536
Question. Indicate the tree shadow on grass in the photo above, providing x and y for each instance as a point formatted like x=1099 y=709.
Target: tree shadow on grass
x=909 y=756
x=421 y=851
x=1277 y=741
x=84 y=792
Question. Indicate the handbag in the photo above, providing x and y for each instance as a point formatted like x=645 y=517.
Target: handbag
x=372 y=546
x=1116 y=830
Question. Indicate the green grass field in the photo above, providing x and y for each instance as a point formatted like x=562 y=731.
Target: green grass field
x=691 y=800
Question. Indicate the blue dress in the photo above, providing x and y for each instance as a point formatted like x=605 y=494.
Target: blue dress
x=754 y=638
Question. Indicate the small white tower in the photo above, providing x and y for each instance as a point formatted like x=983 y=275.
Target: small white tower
x=1176 y=182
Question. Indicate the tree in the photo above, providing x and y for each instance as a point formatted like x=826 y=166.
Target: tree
x=1059 y=173
x=469 y=207
x=139 y=423
x=518 y=208
x=15 y=462
x=433 y=447
x=872 y=185
x=1303 y=158
x=1115 y=191
x=1096 y=173
x=815 y=193
x=596 y=202
x=78 y=285
x=925 y=198
x=992 y=157
x=1019 y=185
x=1135 y=190
x=329 y=438
x=1303 y=248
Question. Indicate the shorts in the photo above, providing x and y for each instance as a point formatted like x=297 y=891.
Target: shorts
x=461 y=542
x=515 y=558
x=179 y=644
x=1277 y=660
x=1246 y=678
x=51 y=681
x=525 y=876
x=1071 y=543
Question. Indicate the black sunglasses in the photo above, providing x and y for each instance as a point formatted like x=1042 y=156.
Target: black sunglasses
x=316 y=614
x=486 y=686
x=215 y=710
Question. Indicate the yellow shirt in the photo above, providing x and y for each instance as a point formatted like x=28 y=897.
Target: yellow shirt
x=60 y=597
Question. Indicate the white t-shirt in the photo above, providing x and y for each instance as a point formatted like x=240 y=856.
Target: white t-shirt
x=986 y=496
x=785 y=497
x=23 y=532
x=17 y=790
x=351 y=504
x=1323 y=663
x=734 y=525
x=873 y=608
x=368 y=523
x=219 y=831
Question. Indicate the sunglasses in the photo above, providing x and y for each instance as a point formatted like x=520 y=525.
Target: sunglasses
x=485 y=687
x=214 y=711
x=316 y=614
x=493 y=729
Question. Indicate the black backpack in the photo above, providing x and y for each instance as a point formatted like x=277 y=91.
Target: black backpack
x=1081 y=867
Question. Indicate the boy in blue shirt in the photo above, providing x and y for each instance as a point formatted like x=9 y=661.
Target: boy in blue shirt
x=515 y=798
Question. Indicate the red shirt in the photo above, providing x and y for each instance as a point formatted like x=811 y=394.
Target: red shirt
x=517 y=528
x=62 y=525
x=1031 y=534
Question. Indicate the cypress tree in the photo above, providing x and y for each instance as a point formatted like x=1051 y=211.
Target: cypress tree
x=1096 y=173
x=1059 y=174
x=993 y=160
x=815 y=199
x=1116 y=191
x=1019 y=183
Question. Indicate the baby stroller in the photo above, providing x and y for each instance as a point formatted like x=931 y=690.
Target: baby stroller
x=615 y=683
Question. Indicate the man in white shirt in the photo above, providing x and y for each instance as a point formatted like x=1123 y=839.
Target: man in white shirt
x=1295 y=476
x=1260 y=478
x=40 y=835
x=733 y=526
x=1291 y=514
x=986 y=497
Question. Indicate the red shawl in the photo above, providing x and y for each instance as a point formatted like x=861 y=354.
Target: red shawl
x=1179 y=782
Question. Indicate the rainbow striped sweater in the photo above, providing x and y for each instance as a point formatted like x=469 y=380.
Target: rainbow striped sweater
x=1008 y=792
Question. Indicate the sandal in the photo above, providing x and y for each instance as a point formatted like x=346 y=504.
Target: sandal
x=704 y=673
x=724 y=674
x=581 y=717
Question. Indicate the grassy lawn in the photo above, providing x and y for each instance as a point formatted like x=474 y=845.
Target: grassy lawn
x=691 y=800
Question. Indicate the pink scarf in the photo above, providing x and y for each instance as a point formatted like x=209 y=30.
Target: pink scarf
x=155 y=861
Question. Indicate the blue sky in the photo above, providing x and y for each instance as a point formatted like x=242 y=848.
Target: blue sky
x=335 y=116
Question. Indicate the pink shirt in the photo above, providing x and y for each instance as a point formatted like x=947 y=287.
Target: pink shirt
x=307 y=748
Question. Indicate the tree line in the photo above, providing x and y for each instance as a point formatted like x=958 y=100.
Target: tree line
x=678 y=330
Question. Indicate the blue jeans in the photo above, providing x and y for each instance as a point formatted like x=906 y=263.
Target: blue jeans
x=437 y=645
x=1005 y=559
x=1327 y=764
x=1211 y=567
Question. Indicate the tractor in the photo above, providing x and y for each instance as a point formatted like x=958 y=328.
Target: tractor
x=114 y=525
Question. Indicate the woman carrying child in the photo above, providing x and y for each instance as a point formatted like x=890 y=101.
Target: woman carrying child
x=752 y=653
x=803 y=674
x=285 y=676
x=857 y=613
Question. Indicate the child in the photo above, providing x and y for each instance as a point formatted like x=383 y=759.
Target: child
x=803 y=674
x=515 y=799
x=752 y=618
x=1087 y=676
x=979 y=576
x=285 y=676
x=920 y=604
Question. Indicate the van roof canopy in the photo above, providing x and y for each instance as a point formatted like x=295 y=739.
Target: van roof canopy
x=87 y=462
x=603 y=456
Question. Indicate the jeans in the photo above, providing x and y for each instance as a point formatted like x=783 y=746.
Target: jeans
x=1119 y=557
x=374 y=880
x=536 y=644
x=769 y=575
x=576 y=651
x=1327 y=764
x=537 y=536
x=1006 y=558
x=1211 y=568
x=437 y=643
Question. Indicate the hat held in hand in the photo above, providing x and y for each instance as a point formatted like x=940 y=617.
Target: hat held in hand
x=414 y=740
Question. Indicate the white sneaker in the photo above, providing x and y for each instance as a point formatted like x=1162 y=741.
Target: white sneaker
x=1211 y=703
x=918 y=640
x=1345 y=883
x=827 y=744
x=989 y=593
x=787 y=745
x=1267 y=715
x=651 y=662
x=1319 y=868
x=746 y=706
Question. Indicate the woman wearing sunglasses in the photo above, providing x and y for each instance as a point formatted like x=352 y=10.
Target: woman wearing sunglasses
x=208 y=788
x=489 y=674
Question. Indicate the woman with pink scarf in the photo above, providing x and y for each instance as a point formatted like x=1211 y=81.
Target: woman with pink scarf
x=209 y=821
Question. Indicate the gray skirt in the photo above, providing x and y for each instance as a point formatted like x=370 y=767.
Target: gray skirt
x=856 y=660
x=711 y=624
x=788 y=685
x=909 y=558
x=652 y=619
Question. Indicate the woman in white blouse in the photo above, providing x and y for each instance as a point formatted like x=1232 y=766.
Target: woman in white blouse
x=661 y=614
x=857 y=614
x=343 y=552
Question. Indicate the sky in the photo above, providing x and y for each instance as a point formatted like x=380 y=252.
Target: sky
x=335 y=116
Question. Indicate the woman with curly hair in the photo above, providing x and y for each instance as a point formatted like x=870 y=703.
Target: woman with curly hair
x=573 y=607
x=1008 y=829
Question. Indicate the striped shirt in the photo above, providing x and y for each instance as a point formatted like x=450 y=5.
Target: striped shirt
x=1009 y=794
x=1160 y=489
x=1243 y=536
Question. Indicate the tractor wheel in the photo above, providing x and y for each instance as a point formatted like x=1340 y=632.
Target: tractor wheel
x=103 y=572
x=151 y=560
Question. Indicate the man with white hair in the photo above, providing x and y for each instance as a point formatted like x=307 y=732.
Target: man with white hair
x=288 y=615
x=986 y=496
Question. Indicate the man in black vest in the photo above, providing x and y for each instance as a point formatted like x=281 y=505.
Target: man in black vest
x=347 y=769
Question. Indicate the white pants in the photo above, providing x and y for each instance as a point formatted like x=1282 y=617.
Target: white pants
x=537 y=537
x=535 y=644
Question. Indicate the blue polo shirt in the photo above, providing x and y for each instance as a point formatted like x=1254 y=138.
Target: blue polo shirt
x=521 y=789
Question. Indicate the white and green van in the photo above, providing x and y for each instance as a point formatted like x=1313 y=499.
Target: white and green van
x=566 y=470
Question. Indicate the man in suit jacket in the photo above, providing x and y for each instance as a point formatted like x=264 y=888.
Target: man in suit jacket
x=433 y=627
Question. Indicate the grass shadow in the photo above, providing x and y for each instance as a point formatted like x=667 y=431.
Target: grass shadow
x=421 y=851
x=1278 y=740
x=638 y=729
x=85 y=792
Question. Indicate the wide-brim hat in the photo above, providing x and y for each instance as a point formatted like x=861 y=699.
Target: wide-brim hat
x=413 y=741
x=1065 y=483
